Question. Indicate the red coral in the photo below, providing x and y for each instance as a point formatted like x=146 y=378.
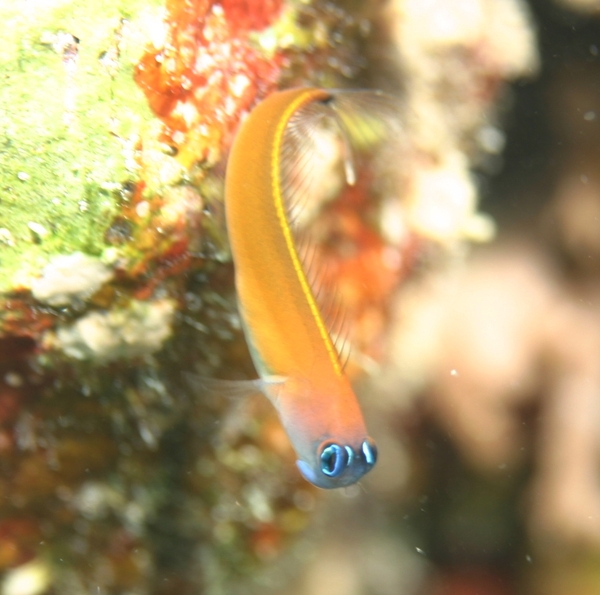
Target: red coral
x=208 y=73
x=248 y=15
x=22 y=321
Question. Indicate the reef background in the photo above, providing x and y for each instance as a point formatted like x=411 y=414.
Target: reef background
x=475 y=336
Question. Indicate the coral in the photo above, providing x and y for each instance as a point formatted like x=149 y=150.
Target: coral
x=120 y=333
x=453 y=65
x=68 y=278
x=206 y=71
x=446 y=203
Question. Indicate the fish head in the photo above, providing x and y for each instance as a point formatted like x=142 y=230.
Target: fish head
x=336 y=465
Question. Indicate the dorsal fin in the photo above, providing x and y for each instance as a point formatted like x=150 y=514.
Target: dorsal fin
x=325 y=146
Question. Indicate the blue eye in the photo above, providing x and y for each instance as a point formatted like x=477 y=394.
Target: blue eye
x=334 y=459
x=369 y=451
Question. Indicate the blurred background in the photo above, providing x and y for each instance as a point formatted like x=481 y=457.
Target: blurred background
x=495 y=462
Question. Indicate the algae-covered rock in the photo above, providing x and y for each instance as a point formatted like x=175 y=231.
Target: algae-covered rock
x=70 y=115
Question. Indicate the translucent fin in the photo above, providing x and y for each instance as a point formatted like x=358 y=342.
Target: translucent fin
x=348 y=161
x=235 y=389
x=367 y=119
x=308 y=160
x=324 y=142
x=232 y=389
x=325 y=145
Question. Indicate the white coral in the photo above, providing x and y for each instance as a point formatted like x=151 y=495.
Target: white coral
x=136 y=330
x=70 y=277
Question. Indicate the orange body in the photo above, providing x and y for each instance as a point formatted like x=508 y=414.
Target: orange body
x=284 y=327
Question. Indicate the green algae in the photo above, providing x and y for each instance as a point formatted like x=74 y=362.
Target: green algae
x=69 y=117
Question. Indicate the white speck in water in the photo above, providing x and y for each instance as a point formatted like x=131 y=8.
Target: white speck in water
x=589 y=116
x=420 y=551
x=23 y=176
x=453 y=372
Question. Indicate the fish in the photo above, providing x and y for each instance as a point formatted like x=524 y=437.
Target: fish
x=268 y=177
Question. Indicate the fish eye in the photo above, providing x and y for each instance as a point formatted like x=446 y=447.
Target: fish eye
x=334 y=459
x=369 y=451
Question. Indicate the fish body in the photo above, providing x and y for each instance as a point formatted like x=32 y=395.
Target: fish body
x=291 y=347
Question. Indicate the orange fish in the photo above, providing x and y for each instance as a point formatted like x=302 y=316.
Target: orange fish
x=292 y=349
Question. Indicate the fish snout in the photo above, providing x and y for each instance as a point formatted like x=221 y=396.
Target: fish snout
x=338 y=465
